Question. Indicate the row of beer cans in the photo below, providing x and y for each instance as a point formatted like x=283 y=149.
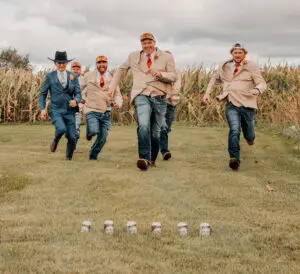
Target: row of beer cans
x=156 y=228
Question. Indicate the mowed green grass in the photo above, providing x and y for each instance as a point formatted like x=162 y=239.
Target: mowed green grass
x=44 y=199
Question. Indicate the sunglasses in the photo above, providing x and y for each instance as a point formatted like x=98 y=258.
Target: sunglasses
x=61 y=63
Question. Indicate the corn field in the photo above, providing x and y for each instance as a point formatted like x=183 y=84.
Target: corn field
x=279 y=104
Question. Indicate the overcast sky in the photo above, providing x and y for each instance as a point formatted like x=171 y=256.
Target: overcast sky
x=195 y=31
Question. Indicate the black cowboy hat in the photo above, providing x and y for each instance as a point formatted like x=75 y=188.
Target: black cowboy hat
x=61 y=56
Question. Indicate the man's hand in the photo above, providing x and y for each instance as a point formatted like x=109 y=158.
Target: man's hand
x=155 y=73
x=110 y=93
x=255 y=91
x=44 y=114
x=206 y=99
x=114 y=105
x=73 y=103
x=80 y=105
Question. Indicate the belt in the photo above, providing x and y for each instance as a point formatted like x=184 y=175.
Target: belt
x=158 y=96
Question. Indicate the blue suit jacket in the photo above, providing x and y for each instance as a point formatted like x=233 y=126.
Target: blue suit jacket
x=60 y=97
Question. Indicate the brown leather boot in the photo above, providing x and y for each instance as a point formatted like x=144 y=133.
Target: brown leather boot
x=250 y=143
x=234 y=164
x=167 y=156
x=143 y=164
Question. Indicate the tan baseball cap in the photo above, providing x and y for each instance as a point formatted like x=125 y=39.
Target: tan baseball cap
x=101 y=58
x=147 y=36
x=76 y=64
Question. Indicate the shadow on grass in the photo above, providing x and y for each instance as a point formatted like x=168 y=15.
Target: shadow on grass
x=12 y=182
x=5 y=139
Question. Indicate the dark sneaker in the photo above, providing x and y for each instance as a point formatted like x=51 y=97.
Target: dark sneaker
x=143 y=164
x=53 y=146
x=167 y=156
x=234 y=164
x=250 y=143
x=88 y=137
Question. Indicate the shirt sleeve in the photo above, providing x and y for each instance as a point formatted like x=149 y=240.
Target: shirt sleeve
x=77 y=92
x=258 y=79
x=119 y=74
x=44 y=93
x=215 y=80
x=170 y=73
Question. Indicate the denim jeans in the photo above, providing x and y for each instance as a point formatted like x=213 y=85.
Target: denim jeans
x=97 y=123
x=65 y=124
x=150 y=114
x=78 y=116
x=166 y=129
x=237 y=118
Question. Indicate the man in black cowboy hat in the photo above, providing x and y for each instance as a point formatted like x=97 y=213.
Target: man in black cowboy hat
x=65 y=94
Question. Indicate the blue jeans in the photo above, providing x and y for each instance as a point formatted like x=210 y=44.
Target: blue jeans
x=65 y=124
x=150 y=114
x=166 y=129
x=78 y=116
x=237 y=118
x=97 y=123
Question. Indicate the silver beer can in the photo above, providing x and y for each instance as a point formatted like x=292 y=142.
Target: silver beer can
x=156 y=227
x=86 y=226
x=205 y=229
x=131 y=227
x=182 y=229
x=109 y=227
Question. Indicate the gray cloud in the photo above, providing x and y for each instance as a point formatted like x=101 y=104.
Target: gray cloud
x=195 y=31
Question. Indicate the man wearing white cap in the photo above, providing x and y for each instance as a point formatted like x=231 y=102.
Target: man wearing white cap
x=242 y=84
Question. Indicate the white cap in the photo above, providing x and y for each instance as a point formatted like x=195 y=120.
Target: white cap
x=182 y=224
x=156 y=224
x=238 y=45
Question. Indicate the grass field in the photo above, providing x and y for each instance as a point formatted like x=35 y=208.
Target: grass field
x=44 y=199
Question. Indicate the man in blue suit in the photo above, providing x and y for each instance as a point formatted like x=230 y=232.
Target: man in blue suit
x=65 y=94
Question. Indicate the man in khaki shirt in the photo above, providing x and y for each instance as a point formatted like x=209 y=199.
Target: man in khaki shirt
x=242 y=84
x=153 y=71
x=76 y=68
x=97 y=106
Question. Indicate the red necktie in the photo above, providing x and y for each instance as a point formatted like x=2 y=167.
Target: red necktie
x=236 y=68
x=101 y=80
x=149 y=62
